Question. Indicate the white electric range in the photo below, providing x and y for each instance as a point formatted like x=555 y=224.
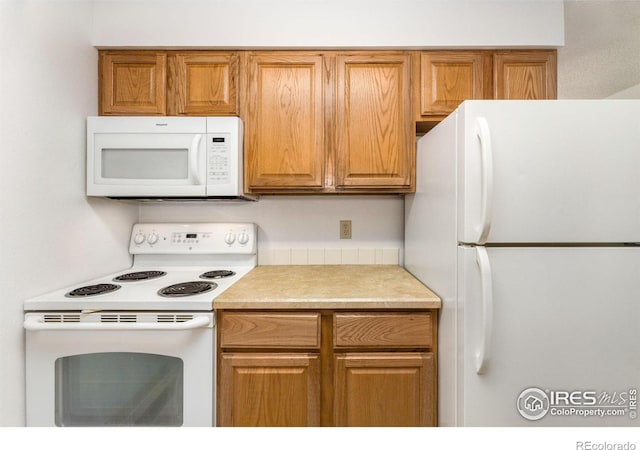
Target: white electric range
x=137 y=347
x=175 y=267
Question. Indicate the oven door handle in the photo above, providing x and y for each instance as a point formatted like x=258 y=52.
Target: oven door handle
x=34 y=323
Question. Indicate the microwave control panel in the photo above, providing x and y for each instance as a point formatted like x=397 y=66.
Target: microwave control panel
x=219 y=158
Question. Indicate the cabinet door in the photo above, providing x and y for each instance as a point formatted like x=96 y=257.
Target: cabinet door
x=385 y=389
x=447 y=79
x=204 y=83
x=285 y=144
x=132 y=83
x=374 y=147
x=525 y=75
x=269 y=389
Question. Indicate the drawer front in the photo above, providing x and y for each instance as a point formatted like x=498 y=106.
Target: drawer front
x=383 y=330
x=271 y=330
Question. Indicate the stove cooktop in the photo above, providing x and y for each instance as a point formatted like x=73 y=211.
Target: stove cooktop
x=177 y=267
x=189 y=291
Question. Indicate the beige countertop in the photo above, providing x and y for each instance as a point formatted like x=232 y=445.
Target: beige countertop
x=327 y=287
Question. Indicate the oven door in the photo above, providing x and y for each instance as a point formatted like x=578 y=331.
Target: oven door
x=146 y=157
x=122 y=370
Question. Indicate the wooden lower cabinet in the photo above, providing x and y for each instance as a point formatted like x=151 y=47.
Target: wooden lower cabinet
x=269 y=390
x=384 y=390
x=327 y=368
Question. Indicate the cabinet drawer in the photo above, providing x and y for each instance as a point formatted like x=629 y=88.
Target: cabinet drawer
x=383 y=330
x=271 y=330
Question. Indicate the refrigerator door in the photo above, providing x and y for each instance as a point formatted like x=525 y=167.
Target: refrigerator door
x=548 y=171
x=558 y=329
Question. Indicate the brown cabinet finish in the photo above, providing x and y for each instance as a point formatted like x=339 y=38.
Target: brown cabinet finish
x=284 y=122
x=322 y=122
x=373 y=121
x=271 y=330
x=444 y=79
x=328 y=122
x=203 y=83
x=369 y=368
x=132 y=83
x=525 y=75
x=385 y=389
x=447 y=78
x=149 y=82
x=377 y=330
x=270 y=390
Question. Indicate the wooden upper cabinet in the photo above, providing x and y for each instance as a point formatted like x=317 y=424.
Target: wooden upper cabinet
x=285 y=119
x=525 y=75
x=149 y=82
x=374 y=144
x=446 y=79
x=203 y=83
x=132 y=83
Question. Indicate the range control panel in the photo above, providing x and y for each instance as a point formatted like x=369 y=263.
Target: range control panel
x=202 y=238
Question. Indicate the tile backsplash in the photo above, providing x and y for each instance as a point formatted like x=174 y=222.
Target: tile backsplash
x=326 y=256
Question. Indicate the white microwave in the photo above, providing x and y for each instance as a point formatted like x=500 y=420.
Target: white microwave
x=162 y=157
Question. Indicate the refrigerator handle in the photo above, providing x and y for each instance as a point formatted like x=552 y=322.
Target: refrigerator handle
x=486 y=167
x=486 y=326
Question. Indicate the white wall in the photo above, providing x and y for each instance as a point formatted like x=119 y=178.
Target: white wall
x=601 y=57
x=299 y=222
x=51 y=235
x=329 y=23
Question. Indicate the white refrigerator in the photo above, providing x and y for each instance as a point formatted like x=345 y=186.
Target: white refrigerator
x=526 y=222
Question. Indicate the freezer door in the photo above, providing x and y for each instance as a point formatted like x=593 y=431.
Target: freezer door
x=549 y=171
x=558 y=328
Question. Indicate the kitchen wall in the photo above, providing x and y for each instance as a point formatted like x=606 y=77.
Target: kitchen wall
x=48 y=85
x=52 y=235
x=329 y=23
x=601 y=56
x=305 y=229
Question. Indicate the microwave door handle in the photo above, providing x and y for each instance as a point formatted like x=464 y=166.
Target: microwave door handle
x=194 y=158
x=34 y=323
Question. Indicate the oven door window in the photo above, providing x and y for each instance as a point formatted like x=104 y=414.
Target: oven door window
x=119 y=389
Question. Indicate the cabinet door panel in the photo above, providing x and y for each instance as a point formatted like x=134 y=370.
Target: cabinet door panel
x=285 y=123
x=133 y=83
x=374 y=143
x=385 y=389
x=449 y=78
x=525 y=75
x=205 y=83
x=271 y=390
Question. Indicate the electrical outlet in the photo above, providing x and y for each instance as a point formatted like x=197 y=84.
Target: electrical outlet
x=345 y=229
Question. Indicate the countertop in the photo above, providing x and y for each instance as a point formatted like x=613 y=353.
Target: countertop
x=327 y=287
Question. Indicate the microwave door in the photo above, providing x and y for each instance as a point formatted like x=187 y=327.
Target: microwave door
x=148 y=165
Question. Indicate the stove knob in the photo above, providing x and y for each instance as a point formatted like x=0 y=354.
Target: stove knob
x=243 y=238
x=229 y=238
x=138 y=238
x=153 y=238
